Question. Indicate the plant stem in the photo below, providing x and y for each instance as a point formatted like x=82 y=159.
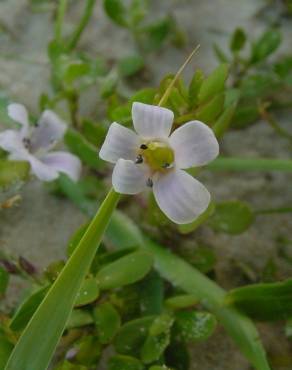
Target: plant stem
x=250 y=164
x=82 y=24
x=38 y=341
x=269 y=211
x=60 y=19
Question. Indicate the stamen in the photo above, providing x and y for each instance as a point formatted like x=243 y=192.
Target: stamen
x=143 y=146
x=26 y=142
x=165 y=165
x=139 y=159
x=149 y=182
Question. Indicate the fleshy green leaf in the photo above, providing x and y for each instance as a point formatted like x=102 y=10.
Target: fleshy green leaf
x=107 y=321
x=130 y=65
x=266 y=45
x=132 y=335
x=269 y=301
x=126 y=270
x=88 y=292
x=117 y=11
x=232 y=217
x=181 y=301
x=213 y=84
x=238 y=40
x=193 y=326
x=121 y=362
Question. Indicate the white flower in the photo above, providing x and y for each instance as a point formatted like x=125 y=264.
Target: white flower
x=33 y=144
x=155 y=158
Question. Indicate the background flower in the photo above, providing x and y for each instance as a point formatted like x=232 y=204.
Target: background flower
x=34 y=144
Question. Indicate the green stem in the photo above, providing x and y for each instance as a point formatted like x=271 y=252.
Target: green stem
x=82 y=24
x=269 y=211
x=60 y=19
x=250 y=164
x=38 y=341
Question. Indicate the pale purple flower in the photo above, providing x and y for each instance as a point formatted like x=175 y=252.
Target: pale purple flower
x=155 y=157
x=34 y=144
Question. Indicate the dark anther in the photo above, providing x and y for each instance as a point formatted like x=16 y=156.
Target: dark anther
x=149 y=182
x=26 y=142
x=165 y=165
x=143 y=146
x=139 y=159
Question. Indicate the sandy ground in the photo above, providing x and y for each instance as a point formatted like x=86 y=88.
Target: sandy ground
x=40 y=226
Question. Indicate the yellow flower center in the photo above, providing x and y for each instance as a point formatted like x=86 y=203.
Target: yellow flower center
x=158 y=155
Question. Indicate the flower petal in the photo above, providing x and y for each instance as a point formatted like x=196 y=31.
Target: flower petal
x=181 y=197
x=41 y=170
x=11 y=142
x=194 y=144
x=120 y=142
x=18 y=113
x=64 y=162
x=128 y=177
x=49 y=131
x=151 y=121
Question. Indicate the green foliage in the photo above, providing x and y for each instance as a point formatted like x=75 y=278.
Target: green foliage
x=264 y=302
x=122 y=362
x=88 y=292
x=232 y=217
x=238 y=40
x=266 y=45
x=107 y=321
x=194 y=326
x=126 y=270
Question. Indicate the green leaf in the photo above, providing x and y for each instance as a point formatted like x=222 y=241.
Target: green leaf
x=132 y=335
x=83 y=149
x=266 y=45
x=192 y=326
x=38 y=341
x=66 y=365
x=245 y=115
x=213 y=84
x=127 y=270
x=144 y=96
x=224 y=120
x=121 y=362
x=79 y=318
x=195 y=86
x=181 y=301
x=12 y=172
x=210 y=111
x=238 y=40
x=130 y=65
x=264 y=302
x=4 y=280
x=88 y=351
x=232 y=217
x=156 y=33
x=107 y=321
x=27 y=309
x=151 y=294
x=88 y=292
x=75 y=70
x=117 y=11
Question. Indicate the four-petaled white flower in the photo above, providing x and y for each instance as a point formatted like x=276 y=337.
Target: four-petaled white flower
x=33 y=143
x=155 y=158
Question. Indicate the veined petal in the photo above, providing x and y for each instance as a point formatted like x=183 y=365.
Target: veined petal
x=129 y=178
x=181 y=197
x=194 y=144
x=11 y=142
x=120 y=142
x=64 y=162
x=49 y=131
x=41 y=170
x=151 y=121
x=18 y=113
